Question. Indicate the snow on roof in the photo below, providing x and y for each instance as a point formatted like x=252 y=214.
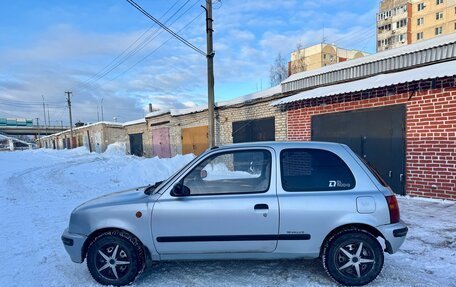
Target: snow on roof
x=239 y=100
x=157 y=113
x=135 y=122
x=86 y=126
x=179 y=112
x=407 y=49
x=428 y=72
x=250 y=97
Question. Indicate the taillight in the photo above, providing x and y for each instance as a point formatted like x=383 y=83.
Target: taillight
x=393 y=207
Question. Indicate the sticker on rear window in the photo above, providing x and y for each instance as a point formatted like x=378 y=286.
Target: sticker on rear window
x=338 y=183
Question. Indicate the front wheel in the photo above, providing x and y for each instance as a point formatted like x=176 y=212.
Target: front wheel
x=115 y=258
x=353 y=257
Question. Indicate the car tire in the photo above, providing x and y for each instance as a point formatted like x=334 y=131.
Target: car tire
x=353 y=257
x=115 y=258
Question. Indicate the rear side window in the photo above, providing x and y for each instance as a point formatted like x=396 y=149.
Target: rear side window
x=314 y=170
x=373 y=171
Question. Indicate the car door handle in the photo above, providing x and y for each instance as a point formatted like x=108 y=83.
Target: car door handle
x=261 y=206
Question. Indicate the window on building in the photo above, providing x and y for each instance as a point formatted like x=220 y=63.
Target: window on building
x=438 y=15
x=401 y=23
x=419 y=36
x=324 y=56
x=438 y=31
x=314 y=170
x=420 y=21
x=230 y=173
x=421 y=6
x=438 y=2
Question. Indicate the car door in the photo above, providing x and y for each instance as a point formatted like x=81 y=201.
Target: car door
x=232 y=206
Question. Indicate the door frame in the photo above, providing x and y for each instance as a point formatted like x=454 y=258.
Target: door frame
x=270 y=194
x=131 y=136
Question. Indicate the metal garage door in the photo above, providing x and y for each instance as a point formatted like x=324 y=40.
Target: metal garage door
x=195 y=140
x=160 y=142
x=377 y=135
x=254 y=130
x=136 y=144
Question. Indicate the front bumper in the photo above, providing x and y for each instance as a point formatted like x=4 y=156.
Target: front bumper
x=394 y=235
x=73 y=244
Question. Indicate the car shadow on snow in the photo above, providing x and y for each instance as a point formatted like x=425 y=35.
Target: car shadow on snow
x=236 y=273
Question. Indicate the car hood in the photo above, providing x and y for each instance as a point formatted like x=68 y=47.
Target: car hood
x=116 y=198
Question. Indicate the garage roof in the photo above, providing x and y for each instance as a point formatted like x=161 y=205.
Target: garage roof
x=407 y=57
x=428 y=72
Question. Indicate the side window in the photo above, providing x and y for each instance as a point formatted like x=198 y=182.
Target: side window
x=314 y=170
x=247 y=171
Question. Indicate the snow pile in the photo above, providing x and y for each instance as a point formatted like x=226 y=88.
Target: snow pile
x=116 y=149
x=40 y=188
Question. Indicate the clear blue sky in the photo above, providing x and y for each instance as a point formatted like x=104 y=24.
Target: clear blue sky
x=50 y=46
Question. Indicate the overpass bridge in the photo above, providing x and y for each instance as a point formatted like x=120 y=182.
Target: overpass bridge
x=32 y=130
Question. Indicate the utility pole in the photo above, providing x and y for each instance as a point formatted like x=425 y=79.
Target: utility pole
x=98 y=114
x=38 y=126
x=44 y=113
x=71 y=118
x=102 y=116
x=210 y=73
x=49 y=118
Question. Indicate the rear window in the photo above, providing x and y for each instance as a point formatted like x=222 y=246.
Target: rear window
x=373 y=171
x=314 y=170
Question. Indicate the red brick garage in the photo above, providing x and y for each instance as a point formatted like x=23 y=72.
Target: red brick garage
x=430 y=130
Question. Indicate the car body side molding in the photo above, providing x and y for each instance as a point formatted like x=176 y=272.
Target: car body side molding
x=263 y=237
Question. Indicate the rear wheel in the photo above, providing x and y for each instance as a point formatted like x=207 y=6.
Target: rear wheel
x=353 y=257
x=115 y=258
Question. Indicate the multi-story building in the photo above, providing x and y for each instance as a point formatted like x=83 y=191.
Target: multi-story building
x=318 y=56
x=432 y=18
x=402 y=22
x=393 y=24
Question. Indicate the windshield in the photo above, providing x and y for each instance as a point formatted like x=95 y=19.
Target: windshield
x=165 y=182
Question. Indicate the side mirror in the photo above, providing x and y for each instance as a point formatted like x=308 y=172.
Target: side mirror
x=180 y=190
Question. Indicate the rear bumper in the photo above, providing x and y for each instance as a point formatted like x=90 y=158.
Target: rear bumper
x=394 y=235
x=73 y=244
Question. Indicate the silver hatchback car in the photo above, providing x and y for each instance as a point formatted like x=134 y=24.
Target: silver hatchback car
x=246 y=201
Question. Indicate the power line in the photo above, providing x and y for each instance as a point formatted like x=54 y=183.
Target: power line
x=155 y=50
x=143 y=43
x=131 y=44
x=27 y=102
x=177 y=36
x=133 y=51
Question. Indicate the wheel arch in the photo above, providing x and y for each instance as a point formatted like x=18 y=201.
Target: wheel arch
x=361 y=226
x=100 y=231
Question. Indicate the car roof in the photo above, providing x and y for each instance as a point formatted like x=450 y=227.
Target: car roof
x=283 y=144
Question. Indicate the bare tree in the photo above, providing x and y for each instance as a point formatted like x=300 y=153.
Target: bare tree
x=299 y=64
x=279 y=70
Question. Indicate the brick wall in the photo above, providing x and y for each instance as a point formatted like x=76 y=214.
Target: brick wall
x=227 y=115
x=430 y=131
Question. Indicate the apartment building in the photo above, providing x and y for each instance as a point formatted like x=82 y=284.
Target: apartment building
x=393 y=24
x=402 y=22
x=318 y=56
x=432 y=18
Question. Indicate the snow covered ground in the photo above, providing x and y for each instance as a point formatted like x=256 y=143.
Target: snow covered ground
x=39 y=189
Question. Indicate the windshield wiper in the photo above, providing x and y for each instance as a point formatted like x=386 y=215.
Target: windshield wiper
x=151 y=188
